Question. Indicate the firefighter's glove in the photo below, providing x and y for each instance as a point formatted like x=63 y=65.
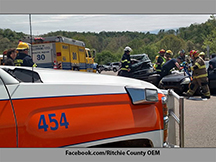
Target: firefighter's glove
x=35 y=65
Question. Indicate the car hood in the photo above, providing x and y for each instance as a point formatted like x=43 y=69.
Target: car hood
x=52 y=76
x=174 y=77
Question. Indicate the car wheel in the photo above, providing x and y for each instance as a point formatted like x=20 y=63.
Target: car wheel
x=99 y=71
x=114 y=69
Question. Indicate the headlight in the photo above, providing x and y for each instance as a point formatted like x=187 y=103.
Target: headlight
x=186 y=81
x=150 y=71
x=139 y=96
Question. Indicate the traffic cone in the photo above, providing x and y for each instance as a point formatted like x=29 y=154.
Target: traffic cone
x=55 y=65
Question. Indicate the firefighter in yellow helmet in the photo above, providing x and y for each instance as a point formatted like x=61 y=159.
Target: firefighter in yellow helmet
x=168 y=55
x=202 y=55
x=23 y=59
x=199 y=74
x=160 y=60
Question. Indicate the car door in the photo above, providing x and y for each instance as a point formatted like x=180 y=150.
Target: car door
x=8 y=131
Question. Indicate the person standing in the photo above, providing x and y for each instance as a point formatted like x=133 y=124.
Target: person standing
x=200 y=76
x=23 y=59
x=125 y=63
x=160 y=60
x=11 y=55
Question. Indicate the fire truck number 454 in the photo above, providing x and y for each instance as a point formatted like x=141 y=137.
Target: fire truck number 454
x=42 y=124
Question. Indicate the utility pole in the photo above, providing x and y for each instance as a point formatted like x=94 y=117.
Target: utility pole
x=208 y=50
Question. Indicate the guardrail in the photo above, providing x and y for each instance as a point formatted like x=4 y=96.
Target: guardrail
x=173 y=118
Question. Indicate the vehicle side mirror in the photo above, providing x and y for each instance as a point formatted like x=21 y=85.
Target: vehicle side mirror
x=93 y=53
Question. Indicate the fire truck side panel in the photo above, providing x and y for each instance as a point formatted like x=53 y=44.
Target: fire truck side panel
x=67 y=120
x=7 y=120
x=66 y=58
x=82 y=59
x=74 y=54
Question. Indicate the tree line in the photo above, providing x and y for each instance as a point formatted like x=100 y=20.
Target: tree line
x=109 y=45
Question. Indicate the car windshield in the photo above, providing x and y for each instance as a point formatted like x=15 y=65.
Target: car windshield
x=24 y=75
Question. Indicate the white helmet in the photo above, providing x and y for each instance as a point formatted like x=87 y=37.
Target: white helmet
x=127 y=49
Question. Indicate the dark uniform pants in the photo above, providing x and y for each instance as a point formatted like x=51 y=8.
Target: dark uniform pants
x=197 y=83
x=124 y=73
x=164 y=72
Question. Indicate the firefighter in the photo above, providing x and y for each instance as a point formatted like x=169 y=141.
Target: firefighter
x=156 y=58
x=125 y=63
x=168 y=55
x=23 y=59
x=199 y=74
x=11 y=55
x=202 y=55
x=168 y=66
x=160 y=60
x=182 y=55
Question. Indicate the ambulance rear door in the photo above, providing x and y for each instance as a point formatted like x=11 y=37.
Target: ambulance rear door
x=44 y=54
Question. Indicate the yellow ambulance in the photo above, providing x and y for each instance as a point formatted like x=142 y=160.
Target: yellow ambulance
x=59 y=52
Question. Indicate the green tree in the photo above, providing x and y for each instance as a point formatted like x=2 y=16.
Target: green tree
x=190 y=46
x=4 y=44
x=151 y=51
x=104 y=57
x=173 y=43
x=210 y=41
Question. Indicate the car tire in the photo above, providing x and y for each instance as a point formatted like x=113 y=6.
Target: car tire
x=114 y=70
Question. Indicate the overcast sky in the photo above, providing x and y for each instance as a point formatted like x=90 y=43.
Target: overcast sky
x=45 y=23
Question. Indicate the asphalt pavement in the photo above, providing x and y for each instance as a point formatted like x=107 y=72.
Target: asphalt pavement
x=199 y=121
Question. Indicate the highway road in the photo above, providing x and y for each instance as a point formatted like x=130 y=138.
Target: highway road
x=199 y=121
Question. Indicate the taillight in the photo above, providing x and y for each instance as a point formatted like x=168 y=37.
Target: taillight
x=165 y=117
x=58 y=53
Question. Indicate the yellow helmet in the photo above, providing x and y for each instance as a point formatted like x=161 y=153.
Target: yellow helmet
x=202 y=54
x=22 y=46
x=169 y=52
x=156 y=57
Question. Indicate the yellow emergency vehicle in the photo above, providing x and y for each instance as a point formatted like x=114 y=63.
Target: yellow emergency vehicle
x=59 y=52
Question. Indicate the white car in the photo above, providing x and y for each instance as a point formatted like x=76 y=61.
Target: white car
x=57 y=108
x=115 y=66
